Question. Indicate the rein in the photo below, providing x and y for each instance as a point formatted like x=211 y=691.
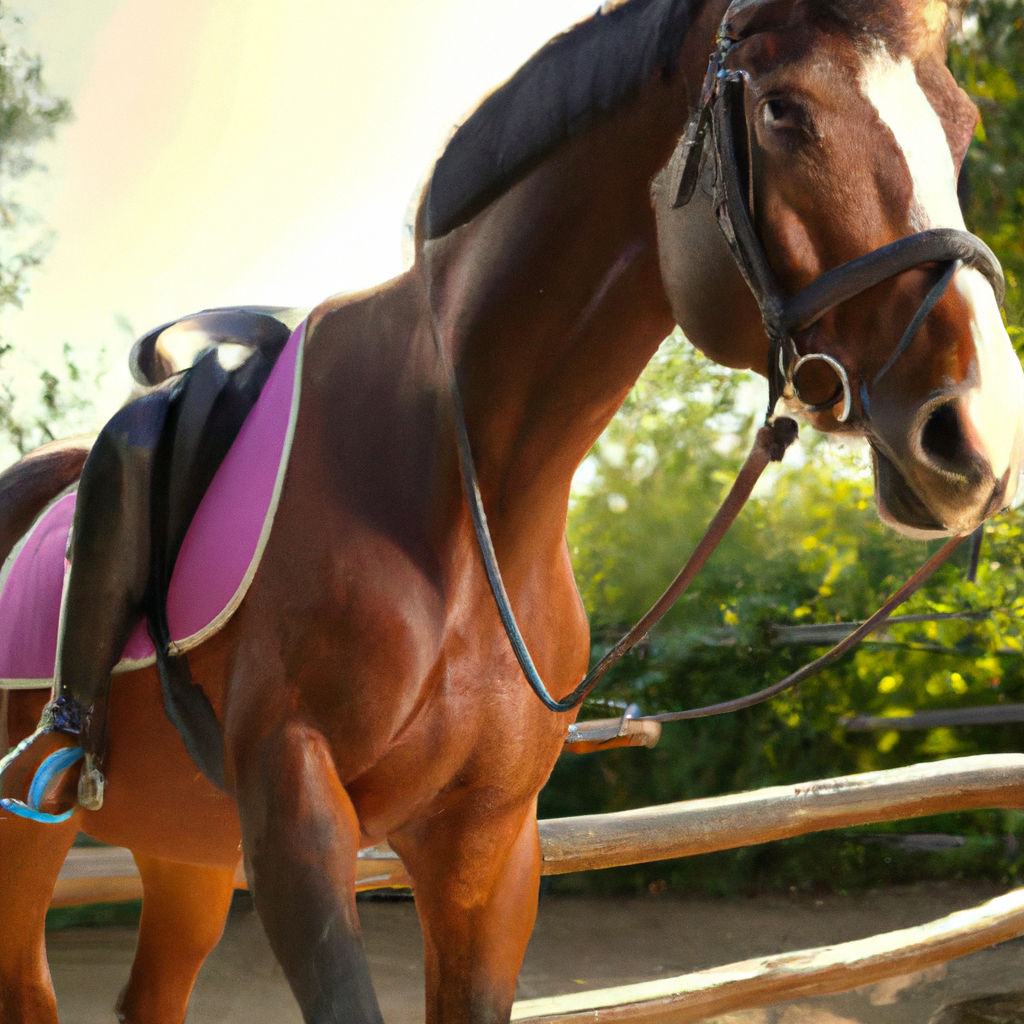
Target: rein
x=770 y=445
x=722 y=103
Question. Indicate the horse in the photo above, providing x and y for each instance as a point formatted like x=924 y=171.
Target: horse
x=365 y=687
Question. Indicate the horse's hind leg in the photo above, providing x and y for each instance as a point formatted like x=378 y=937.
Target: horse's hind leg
x=184 y=907
x=477 y=876
x=301 y=837
x=31 y=856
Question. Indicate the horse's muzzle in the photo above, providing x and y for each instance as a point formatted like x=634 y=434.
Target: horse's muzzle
x=938 y=479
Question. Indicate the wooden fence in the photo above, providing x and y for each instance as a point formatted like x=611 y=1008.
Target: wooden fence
x=702 y=826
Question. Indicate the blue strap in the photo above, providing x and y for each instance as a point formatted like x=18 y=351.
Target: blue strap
x=24 y=811
x=51 y=766
x=57 y=762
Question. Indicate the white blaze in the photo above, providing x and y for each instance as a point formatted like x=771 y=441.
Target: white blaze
x=891 y=86
x=994 y=407
x=993 y=410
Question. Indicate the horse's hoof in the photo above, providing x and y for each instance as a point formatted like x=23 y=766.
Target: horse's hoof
x=90 y=785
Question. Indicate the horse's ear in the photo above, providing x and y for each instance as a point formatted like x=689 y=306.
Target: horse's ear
x=930 y=24
x=747 y=17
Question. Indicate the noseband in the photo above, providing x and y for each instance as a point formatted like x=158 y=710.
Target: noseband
x=723 y=110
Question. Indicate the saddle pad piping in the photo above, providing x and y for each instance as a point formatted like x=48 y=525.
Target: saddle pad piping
x=218 y=622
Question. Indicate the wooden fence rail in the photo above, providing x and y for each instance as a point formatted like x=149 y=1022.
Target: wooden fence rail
x=93 y=875
x=773 y=979
x=702 y=826
x=743 y=819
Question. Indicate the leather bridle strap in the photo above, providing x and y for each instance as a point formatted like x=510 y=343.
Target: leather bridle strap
x=937 y=245
x=722 y=107
x=769 y=446
x=812 y=668
x=732 y=208
x=931 y=300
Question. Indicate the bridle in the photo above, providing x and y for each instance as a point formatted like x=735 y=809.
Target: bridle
x=713 y=132
x=720 y=108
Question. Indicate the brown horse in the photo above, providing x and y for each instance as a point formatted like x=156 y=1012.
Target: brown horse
x=366 y=688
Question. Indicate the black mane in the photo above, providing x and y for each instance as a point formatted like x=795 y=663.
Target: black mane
x=569 y=83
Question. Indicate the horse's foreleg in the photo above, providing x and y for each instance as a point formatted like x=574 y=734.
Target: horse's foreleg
x=184 y=907
x=301 y=837
x=31 y=855
x=477 y=881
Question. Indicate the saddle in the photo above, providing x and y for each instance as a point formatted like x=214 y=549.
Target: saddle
x=217 y=466
x=229 y=354
x=232 y=353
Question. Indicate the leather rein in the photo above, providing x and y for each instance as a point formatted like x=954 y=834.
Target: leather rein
x=712 y=130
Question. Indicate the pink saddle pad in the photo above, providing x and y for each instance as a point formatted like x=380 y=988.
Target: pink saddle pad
x=218 y=558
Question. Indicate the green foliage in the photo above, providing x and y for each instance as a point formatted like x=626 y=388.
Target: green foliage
x=95 y=915
x=988 y=61
x=28 y=115
x=63 y=404
x=808 y=548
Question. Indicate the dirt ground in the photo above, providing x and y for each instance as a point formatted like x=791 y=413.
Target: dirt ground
x=584 y=943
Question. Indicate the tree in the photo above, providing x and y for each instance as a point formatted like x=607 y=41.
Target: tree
x=28 y=115
x=988 y=61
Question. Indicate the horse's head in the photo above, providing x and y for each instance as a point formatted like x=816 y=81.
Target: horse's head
x=833 y=130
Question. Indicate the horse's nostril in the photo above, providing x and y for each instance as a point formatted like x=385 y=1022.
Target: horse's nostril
x=942 y=439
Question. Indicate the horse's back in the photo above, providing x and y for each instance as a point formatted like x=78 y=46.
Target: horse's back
x=27 y=487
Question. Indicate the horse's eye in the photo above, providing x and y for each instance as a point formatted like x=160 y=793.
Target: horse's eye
x=784 y=122
x=785 y=116
x=779 y=114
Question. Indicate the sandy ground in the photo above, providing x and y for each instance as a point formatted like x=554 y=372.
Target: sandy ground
x=590 y=943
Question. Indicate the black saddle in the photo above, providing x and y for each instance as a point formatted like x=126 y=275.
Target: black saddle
x=214 y=365
x=222 y=358
x=173 y=347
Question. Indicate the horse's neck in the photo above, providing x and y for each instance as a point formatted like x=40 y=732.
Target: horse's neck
x=551 y=301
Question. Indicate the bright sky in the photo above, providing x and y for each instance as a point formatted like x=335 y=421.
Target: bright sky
x=233 y=151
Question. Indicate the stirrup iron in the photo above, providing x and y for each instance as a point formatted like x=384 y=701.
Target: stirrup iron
x=53 y=765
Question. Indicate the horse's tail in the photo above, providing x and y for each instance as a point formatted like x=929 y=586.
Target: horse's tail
x=27 y=487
